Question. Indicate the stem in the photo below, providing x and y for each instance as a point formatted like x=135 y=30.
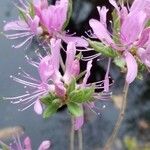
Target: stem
x=113 y=136
x=80 y=139
x=72 y=134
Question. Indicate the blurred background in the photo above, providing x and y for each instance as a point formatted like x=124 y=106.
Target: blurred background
x=135 y=130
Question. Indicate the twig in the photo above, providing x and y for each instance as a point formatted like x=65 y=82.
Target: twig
x=80 y=139
x=72 y=135
x=113 y=136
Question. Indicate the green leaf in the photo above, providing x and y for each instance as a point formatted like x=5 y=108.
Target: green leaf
x=47 y=100
x=72 y=86
x=82 y=95
x=75 y=109
x=120 y=62
x=69 y=13
x=22 y=13
x=104 y=50
x=51 y=109
x=81 y=75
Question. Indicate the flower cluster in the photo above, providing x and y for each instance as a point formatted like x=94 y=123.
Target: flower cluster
x=38 y=19
x=64 y=83
x=129 y=41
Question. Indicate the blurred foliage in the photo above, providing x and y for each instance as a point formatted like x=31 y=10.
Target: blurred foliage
x=131 y=143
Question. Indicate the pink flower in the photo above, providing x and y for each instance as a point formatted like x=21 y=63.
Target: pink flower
x=53 y=18
x=26 y=144
x=133 y=33
x=25 y=30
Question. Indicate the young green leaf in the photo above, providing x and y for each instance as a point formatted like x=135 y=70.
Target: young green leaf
x=81 y=95
x=120 y=62
x=47 y=100
x=71 y=86
x=69 y=13
x=75 y=109
x=52 y=108
x=104 y=50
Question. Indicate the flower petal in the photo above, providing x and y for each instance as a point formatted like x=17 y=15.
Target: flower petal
x=78 y=122
x=103 y=15
x=60 y=89
x=27 y=144
x=100 y=31
x=38 y=107
x=17 y=26
x=131 y=66
x=144 y=37
x=79 y=42
x=88 y=73
x=45 y=145
x=132 y=27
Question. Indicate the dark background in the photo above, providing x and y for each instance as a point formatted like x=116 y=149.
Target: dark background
x=97 y=128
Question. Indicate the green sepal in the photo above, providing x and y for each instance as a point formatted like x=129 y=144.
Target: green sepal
x=104 y=50
x=116 y=26
x=81 y=75
x=52 y=108
x=120 y=62
x=31 y=10
x=71 y=86
x=82 y=95
x=47 y=99
x=75 y=109
x=69 y=13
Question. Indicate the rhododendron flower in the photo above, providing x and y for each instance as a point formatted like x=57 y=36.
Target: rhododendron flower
x=53 y=19
x=25 y=145
x=23 y=29
x=43 y=21
x=55 y=89
x=133 y=33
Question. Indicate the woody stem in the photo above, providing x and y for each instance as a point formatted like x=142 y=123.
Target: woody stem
x=114 y=134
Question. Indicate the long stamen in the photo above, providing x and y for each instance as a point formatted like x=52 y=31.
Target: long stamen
x=88 y=58
x=34 y=85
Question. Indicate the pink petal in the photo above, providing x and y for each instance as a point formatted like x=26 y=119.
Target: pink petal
x=79 y=42
x=144 y=37
x=55 y=52
x=137 y=5
x=131 y=66
x=27 y=144
x=113 y=2
x=78 y=122
x=88 y=73
x=144 y=55
x=34 y=24
x=60 y=89
x=69 y=72
x=100 y=31
x=46 y=69
x=17 y=26
x=103 y=15
x=45 y=145
x=38 y=107
x=132 y=27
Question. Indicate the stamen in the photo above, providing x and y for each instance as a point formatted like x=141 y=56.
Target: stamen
x=88 y=58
